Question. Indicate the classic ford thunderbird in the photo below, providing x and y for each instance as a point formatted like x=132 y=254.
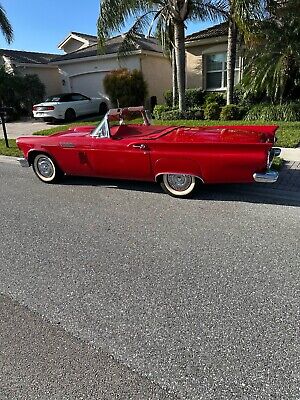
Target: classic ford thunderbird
x=179 y=158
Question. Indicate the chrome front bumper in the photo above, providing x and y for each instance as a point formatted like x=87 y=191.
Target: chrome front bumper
x=267 y=177
x=23 y=162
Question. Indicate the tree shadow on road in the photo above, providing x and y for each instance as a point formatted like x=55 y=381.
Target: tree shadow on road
x=249 y=193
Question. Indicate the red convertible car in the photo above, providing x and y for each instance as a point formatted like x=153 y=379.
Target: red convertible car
x=179 y=158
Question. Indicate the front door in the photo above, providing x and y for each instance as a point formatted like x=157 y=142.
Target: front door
x=120 y=158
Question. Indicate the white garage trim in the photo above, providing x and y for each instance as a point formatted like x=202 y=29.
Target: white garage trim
x=90 y=72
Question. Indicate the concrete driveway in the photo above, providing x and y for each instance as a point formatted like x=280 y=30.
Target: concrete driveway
x=25 y=128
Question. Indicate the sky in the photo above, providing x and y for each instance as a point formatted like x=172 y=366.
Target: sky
x=40 y=25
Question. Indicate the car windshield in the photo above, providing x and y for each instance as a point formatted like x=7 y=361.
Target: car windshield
x=122 y=116
x=53 y=98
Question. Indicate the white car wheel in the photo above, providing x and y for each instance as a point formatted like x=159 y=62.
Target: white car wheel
x=178 y=185
x=45 y=169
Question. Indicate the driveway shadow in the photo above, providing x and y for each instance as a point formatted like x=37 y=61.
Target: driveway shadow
x=229 y=192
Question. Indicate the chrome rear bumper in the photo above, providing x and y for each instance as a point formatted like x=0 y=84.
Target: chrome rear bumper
x=23 y=162
x=267 y=177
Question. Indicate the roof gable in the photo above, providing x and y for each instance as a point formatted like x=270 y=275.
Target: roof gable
x=112 y=47
x=27 y=57
x=82 y=39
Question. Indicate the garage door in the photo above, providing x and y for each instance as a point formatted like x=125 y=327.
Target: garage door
x=88 y=84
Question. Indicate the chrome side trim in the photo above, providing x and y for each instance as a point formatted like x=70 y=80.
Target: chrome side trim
x=177 y=173
x=67 y=145
x=267 y=177
x=23 y=162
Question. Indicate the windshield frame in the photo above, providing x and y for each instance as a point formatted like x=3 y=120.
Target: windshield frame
x=118 y=113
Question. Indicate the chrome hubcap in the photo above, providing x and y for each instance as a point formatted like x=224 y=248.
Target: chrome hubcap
x=179 y=182
x=45 y=167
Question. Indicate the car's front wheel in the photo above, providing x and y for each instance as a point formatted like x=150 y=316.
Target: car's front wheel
x=179 y=185
x=46 y=169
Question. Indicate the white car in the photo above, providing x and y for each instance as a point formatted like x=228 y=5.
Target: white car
x=69 y=106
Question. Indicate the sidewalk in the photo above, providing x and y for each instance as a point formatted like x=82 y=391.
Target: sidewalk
x=24 y=128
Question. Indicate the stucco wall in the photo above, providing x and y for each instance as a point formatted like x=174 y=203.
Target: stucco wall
x=48 y=76
x=157 y=72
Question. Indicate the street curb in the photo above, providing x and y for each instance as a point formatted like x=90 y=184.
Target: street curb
x=9 y=160
x=290 y=154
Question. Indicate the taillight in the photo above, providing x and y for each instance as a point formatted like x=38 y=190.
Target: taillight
x=43 y=108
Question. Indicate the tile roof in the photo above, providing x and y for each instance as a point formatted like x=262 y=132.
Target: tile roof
x=112 y=46
x=85 y=36
x=214 y=31
x=27 y=57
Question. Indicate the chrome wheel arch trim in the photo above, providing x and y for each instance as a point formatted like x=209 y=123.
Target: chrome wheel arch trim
x=177 y=173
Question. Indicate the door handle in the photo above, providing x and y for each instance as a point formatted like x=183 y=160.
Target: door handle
x=140 y=146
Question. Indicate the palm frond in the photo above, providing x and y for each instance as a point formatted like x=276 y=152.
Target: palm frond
x=5 y=26
x=114 y=14
x=133 y=35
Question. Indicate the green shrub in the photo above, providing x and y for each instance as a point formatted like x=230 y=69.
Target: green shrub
x=168 y=95
x=231 y=112
x=159 y=109
x=165 y=113
x=172 y=115
x=274 y=112
x=218 y=98
x=20 y=92
x=245 y=99
x=212 y=111
x=126 y=88
x=194 y=98
x=194 y=114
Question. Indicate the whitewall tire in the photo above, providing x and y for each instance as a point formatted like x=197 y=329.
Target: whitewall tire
x=178 y=185
x=46 y=169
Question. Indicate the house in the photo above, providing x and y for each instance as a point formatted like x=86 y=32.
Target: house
x=83 y=69
x=206 y=53
x=29 y=63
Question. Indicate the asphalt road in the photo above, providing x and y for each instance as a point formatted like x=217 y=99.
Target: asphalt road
x=114 y=290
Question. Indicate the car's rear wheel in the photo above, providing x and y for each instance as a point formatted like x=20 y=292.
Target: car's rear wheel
x=70 y=115
x=179 y=185
x=103 y=109
x=46 y=169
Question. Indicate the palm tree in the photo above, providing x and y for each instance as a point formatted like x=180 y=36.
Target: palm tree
x=171 y=13
x=272 y=64
x=5 y=26
x=241 y=14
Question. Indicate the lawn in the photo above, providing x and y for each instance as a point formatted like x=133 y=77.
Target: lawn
x=11 y=151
